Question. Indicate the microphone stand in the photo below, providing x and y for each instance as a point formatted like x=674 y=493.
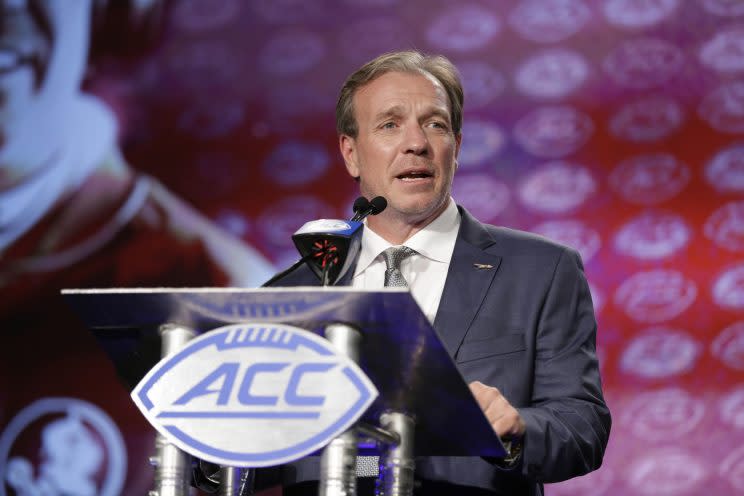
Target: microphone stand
x=288 y=270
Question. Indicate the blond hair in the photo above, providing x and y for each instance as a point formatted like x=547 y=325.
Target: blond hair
x=436 y=66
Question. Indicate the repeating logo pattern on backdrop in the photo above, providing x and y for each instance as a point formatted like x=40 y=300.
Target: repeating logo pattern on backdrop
x=613 y=126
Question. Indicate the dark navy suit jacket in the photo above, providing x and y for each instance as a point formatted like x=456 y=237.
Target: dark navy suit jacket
x=516 y=314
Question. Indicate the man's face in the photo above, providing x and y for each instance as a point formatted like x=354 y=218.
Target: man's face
x=405 y=149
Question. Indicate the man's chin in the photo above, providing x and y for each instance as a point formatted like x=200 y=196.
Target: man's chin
x=421 y=211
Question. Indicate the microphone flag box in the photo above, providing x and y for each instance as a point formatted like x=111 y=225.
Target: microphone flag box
x=330 y=244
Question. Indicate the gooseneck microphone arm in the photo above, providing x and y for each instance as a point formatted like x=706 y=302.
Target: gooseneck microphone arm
x=288 y=270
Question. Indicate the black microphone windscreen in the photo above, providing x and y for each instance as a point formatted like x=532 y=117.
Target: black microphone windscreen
x=378 y=204
x=360 y=204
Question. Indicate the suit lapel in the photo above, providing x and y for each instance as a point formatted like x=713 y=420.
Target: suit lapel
x=470 y=274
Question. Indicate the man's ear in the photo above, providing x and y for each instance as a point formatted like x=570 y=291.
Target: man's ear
x=458 y=143
x=347 y=145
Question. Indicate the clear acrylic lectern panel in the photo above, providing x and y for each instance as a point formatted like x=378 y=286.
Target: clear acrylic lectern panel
x=400 y=351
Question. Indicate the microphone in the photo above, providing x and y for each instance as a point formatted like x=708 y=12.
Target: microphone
x=329 y=246
x=360 y=205
x=365 y=208
x=379 y=203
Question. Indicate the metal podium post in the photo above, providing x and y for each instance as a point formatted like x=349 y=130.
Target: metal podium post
x=397 y=462
x=338 y=462
x=172 y=466
x=229 y=481
x=395 y=435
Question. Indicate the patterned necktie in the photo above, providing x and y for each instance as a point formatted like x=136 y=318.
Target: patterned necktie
x=393 y=258
x=368 y=466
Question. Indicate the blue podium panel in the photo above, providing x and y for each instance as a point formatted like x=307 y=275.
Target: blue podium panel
x=400 y=352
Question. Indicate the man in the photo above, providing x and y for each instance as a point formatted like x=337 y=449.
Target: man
x=513 y=309
x=74 y=214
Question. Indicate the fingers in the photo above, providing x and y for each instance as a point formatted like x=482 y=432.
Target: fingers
x=502 y=416
x=484 y=395
x=509 y=425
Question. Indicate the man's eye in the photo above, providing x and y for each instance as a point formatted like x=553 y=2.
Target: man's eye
x=388 y=125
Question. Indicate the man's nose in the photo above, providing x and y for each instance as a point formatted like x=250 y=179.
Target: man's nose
x=416 y=141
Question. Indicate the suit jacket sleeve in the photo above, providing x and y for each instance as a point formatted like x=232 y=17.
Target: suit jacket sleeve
x=568 y=422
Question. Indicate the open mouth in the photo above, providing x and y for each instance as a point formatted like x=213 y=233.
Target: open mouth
x=414 y=175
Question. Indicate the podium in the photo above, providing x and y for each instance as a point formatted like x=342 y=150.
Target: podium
x=424 y=407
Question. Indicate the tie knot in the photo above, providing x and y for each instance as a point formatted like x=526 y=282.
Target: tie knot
x=394 y=256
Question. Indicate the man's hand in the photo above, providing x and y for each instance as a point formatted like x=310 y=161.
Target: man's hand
x=503 y=417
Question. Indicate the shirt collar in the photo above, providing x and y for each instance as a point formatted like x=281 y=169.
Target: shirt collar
x=436 y=241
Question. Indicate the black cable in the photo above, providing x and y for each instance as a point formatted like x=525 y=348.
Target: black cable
x=288 y=270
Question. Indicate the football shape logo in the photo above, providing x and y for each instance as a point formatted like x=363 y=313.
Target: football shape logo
x=254 y=395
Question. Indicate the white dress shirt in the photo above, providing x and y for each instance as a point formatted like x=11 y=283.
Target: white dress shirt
x=425 y=271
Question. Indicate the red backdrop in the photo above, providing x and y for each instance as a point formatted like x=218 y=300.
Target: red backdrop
x=614 y=126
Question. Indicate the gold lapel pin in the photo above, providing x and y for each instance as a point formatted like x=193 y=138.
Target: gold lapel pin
x=482 y=266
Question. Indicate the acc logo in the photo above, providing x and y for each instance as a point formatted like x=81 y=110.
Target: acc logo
x=732 y=468
x=291 y=52
x=548 y=21
x=463 y=28
x=725 y=227
x=728 y=346
x=554 y=131
x=721 y=108
x=557 y=187
x=665 y=414
x=320 y=225
x=723 y=52
x=643 y=63
x=254 y=395
x=725 y=8
x=656 y=295
x=728 y=289
x=553 y=73
x=484 y=83
x=725 y=171
x=482 y=195
x=649 y=179
x=571 y=233
x=638 y=13
x=485 y=141
x=660 y=353
x=731 y=410
x=371 y=35
x=295 y=163
x=667 y=472
x=648 y=119
x=653 y=236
